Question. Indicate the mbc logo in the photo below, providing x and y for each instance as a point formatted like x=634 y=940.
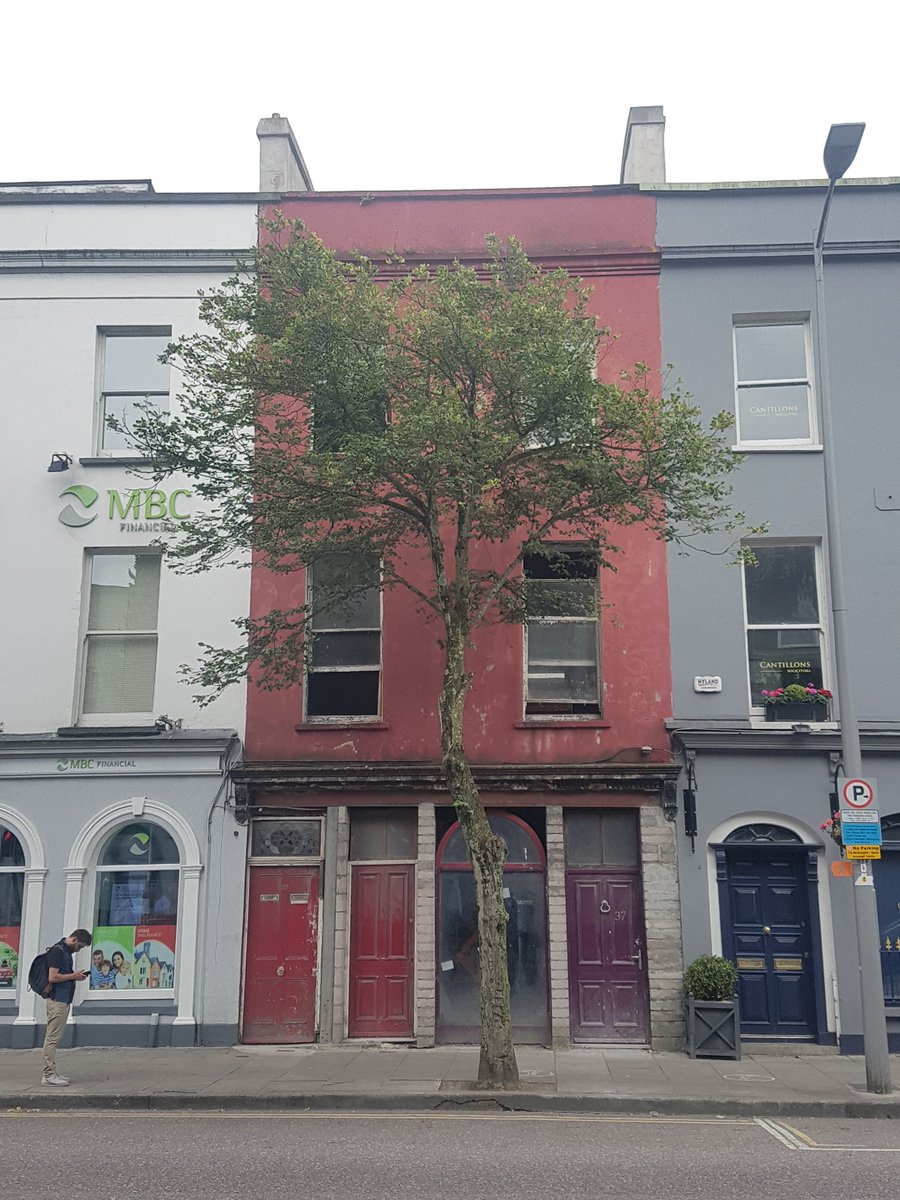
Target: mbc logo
x=141 y=504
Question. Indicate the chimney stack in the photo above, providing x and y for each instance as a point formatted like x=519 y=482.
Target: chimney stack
x=644 y=152
x=281 y=165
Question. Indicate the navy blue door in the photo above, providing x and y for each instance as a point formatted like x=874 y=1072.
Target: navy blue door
x=766 y=931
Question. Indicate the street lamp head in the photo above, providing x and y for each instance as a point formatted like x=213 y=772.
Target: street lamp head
x=841 y=147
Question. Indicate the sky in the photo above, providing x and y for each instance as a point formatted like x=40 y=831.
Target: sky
x=468 y=94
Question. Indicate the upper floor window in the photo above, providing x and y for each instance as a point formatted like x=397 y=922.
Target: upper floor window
x=784 y=627
x=120 y=635
x=773 y=384
x=131 y=376
x=562 y=634
x=344 y=674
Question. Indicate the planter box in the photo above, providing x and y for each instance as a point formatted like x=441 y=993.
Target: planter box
x=712 y=1027
x=799 y=710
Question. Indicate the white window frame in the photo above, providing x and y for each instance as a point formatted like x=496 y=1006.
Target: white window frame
x=81 y=898
x=595 y=620
x=338 y=718
x=755 y=321
x=104 y=334
x=757 y=711
x=102 y=719
x=145 y=994
x=22 y=1000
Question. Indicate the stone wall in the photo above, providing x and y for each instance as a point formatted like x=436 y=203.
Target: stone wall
x=557 y=929
x=425 y=914
x=663 y=922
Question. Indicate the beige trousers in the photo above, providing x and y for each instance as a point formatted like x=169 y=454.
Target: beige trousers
x=57 y=1015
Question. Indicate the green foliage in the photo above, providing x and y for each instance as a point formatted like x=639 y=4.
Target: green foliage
x=711 y=977
x=347 y=406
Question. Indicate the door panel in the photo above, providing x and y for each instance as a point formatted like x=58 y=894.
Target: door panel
x=381 y=951
x=607 y=971
x=770 y=941
x=281 y=959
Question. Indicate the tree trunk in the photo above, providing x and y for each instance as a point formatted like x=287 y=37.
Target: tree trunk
x=497 y=1063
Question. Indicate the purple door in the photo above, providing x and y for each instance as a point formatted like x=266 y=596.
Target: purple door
x=607 y=963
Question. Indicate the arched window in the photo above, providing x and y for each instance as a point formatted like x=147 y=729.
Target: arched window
x=524 y=895
x=763 y=835
x=136 y=910
x=12 y=886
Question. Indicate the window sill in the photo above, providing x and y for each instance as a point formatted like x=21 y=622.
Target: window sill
x=338 y=723
x=777 y=448
x=110 y=460
x=761 y=723
x=564 y=722
x=129 y=995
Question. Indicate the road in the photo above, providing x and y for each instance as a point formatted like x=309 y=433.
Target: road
x=219 y=1156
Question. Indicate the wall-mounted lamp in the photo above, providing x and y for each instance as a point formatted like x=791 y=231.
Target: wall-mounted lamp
x=60 y=462
x=800 y=727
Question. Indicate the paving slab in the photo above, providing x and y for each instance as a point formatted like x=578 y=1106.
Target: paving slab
x=601 y=1079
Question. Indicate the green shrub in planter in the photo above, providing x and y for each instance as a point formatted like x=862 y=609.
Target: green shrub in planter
x=711 y=977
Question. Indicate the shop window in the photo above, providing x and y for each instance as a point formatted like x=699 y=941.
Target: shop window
x=784 y=629
x=562 y=634
x=12 y=884
x=601 y=838
x=524 y=896
x=383 y=834
x=344 y=675
x=887 y=892
x=136 y=911
x=773 y=388
x=132 y=379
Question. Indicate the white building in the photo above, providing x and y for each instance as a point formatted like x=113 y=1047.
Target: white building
x=109 y=818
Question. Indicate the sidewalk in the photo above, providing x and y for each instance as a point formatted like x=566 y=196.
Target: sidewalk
x=392 y=1078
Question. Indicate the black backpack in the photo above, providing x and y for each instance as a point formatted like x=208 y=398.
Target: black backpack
x=39 y=976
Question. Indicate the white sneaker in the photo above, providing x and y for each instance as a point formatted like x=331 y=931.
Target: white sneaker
x=54 y=1081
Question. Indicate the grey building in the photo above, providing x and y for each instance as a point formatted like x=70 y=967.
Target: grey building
x=759 y=878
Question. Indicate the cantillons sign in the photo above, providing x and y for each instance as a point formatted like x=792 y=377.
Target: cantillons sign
x=142 y=510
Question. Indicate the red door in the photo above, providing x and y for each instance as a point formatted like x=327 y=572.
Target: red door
x=282 y=946
x=381 y=951
x=607 y=968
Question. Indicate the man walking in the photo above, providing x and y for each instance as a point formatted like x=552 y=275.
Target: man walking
x=63 y=977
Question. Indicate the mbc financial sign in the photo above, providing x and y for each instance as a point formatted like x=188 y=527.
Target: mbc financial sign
x=139 y=510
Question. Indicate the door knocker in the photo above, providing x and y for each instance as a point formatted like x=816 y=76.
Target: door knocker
x=604 y=906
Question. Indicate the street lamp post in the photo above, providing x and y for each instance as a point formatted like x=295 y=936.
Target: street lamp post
x=840 y=150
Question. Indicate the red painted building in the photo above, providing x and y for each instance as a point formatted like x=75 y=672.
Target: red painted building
x=360 y=920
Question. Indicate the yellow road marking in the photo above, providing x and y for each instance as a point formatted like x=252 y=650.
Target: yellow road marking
x=800 y=1134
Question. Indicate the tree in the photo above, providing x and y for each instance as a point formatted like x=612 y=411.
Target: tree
x=328 y=412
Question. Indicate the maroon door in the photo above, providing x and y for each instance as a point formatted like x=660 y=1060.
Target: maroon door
x=381 y=951
x=607 y=968
x=282 y=947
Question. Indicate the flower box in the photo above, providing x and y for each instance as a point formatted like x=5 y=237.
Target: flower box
x=797 y=702
x=797 y=710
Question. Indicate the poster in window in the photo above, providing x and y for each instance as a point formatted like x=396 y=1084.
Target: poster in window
x=128 y=899
x=9 y=955
x=112 y=958
x=154 y=956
